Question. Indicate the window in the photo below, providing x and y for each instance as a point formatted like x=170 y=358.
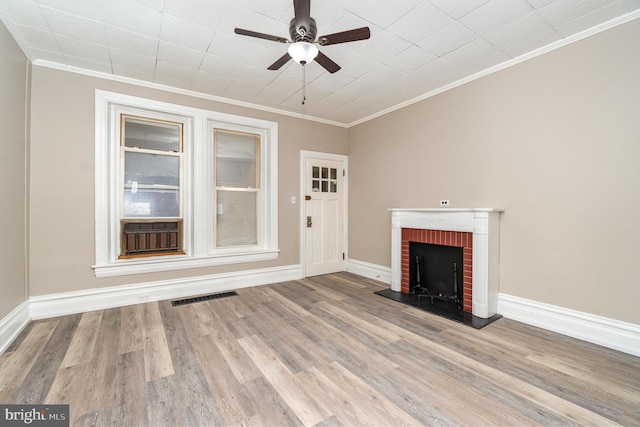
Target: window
x=151 y=205
x=179 y=187
x=237 y=186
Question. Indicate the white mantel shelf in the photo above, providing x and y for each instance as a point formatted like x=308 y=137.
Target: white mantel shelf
x=484 y=223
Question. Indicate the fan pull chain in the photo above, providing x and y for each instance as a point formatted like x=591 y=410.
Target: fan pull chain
x=304 y=84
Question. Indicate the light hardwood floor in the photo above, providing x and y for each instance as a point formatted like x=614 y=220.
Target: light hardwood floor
x=323 y=351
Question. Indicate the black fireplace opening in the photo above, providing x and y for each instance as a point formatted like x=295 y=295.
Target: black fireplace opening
x=436 y=274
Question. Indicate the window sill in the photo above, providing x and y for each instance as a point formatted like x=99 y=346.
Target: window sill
x=125 y=267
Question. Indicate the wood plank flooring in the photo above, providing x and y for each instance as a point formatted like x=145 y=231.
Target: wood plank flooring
x=323 y=351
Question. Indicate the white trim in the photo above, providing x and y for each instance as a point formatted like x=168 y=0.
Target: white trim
x=12 y=324
x=128 y=80
x=61 y=304
x=370 y=271
x=198 y=125
x=588 y=327
x=304 y=156
x=610 y=333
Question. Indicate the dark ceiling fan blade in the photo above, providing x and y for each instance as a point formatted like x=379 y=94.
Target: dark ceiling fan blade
x=345 y=36
x=327 y=63
x=280 y=62
x=302 y=10
x=250 y=33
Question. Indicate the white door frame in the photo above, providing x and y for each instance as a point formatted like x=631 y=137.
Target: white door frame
x=304 y=156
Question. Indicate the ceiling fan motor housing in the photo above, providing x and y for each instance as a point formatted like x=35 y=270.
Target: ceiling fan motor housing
x=302 y=34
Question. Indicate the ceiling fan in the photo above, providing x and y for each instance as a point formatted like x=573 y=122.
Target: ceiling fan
x=302 y=30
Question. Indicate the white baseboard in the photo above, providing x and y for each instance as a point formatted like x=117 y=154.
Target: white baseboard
x=599 y=330
x=61 y=304
x=370 y=271
x=12 y=324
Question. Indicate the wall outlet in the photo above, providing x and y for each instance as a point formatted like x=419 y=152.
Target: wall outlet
x=444 y=203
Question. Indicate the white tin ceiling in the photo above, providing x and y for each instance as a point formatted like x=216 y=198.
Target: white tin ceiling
x=416 y=47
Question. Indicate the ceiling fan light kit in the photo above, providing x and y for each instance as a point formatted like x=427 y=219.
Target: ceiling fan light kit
x=302 y=30
x=303 y=52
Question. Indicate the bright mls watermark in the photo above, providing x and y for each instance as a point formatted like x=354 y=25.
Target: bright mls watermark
x=34 y=415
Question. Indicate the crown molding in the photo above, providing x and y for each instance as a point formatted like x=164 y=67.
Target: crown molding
x=179 y=91
x=510 y=63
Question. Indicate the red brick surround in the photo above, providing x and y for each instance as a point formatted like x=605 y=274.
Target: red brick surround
x=446 y=238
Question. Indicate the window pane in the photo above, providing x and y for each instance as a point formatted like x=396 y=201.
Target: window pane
x=236 y=159
x=334 y=173
x=152 y=185
x=316 y=171
x=325 y=173
x=151 y=135
x=236 y=218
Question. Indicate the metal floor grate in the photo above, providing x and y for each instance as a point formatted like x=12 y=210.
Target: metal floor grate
x=203 y=298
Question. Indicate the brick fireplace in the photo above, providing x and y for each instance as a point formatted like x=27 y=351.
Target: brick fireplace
x=476 y=230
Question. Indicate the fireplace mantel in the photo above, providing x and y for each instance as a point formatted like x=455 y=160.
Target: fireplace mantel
x=484 y=223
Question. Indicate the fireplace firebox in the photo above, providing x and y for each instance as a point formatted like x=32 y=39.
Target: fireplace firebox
x=435 y=273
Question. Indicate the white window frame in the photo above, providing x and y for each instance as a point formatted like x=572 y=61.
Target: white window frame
x=198 y=209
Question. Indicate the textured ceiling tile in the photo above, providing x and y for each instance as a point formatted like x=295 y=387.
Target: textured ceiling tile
x=380 y=75
x=132 y=17
x=221 y=66
x=495 y=14
x=379 y=13
x=207 y=13
x=83 y=49
x=210 y=83
x=381 y=47
x=75 y=26
x=184 y=33
x=420 y=23
x=174 y=72
x=36 y=37
x=132 y=42
x=457 y=9
x=447 y=39
x=524 y=28
x=180 y=55
x=559 y=13
x=470 y=53
x=524 y=47
x=228 y=46
x=84 y=8
x=26 y=13
x=433 y=70
x=131 y=61
x=275 y=9
x=593 y=18
x=411 y=59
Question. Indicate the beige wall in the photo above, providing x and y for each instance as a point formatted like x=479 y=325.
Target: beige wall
x=13 y=146
x=62 y=179
x=554 y=140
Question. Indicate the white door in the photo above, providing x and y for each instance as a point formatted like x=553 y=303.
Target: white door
x=324 y=216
